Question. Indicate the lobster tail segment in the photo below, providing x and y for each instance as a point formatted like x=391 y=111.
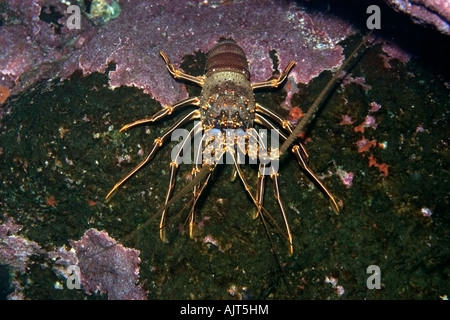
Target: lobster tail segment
x=226 y=55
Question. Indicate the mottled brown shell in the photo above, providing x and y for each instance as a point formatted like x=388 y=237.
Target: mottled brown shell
x=227 y=96
x=226 y=55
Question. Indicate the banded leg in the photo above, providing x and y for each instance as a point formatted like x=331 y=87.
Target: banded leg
x=295 y=149
x=156 y=145
x=165 y=111
x=274 y=83
x=281 y=122
x=178 y=74
x=172 y=180
x=258 y=204
x=276 y=191
x=260 y=187
x=260 y=199
x=301 y=161
x=198 y=188
x=241 y=176
x=251 y=147
x=200 y=159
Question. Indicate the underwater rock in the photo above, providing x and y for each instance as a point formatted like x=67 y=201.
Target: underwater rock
x=105 y=266
x=134 y=39
x=34 y=39
x=15 y=251
x=432 y=12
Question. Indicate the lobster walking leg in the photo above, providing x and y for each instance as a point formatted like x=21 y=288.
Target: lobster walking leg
x=260 y=187
x=276 y=191
x=166 y=111
x=296 y=150
x=173 y=173
x=178 y=74
x=227 y=102
x=274 y=83
x=156 y=145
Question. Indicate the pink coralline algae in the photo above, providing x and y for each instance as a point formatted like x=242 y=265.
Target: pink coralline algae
x=392 y=51
x=33 y=40
x=348 y=79
x=333 y=281
x=105 y=266
x=364 y=144
x=433 y=12
x=134 y=39
x=15 y=251
x=295 y=114
x=291 y=88
x=374 y=107
x=346 y=120
x=346 y=177
x=369 y=122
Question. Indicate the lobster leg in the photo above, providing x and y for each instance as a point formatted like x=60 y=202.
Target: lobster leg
x=276 y=191
x=156 y=145
x=301 y=161
x=296 y=149
x=178 y=74
x=165 y=111
x=258 y=202
x=281 y=122
x=198 y=188
x=172 y=180
x=274 y=83
x=260 y=187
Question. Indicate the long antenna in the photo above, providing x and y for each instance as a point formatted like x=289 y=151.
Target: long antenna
x=315 y=106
